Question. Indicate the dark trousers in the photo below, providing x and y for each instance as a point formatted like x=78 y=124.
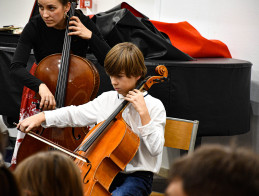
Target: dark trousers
x=136 y=184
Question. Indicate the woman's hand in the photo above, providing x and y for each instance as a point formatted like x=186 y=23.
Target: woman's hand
x=137 y=99
x=47 y=101
x=76 y=27
x=32 y=122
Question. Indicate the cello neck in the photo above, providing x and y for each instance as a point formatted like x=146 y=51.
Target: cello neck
x=109 y=120
x=64 y=64
x=145 y=84
x=123 y=105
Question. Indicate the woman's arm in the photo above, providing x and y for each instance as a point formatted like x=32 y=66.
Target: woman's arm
x=19 y=62
x=19 y=72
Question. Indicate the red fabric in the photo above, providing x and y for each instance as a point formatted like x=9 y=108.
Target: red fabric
x=187 y=39
x=28 y=108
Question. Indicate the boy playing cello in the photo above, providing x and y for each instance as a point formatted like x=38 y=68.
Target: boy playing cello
x=145 y=115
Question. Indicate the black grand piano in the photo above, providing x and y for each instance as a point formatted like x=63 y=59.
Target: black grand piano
x=215 y=91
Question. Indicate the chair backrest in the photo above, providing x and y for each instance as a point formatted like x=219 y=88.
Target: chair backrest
x=181 y=133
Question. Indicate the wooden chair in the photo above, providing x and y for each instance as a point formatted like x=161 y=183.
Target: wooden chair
x=179 y=134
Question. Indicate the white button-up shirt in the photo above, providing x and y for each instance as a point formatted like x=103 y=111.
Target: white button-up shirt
x=149 y=154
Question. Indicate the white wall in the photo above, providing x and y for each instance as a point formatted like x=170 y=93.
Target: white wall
x=15 y=12
x=144 y=6
x=235 y=22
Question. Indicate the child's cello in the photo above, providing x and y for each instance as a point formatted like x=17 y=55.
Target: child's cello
x=110 y=146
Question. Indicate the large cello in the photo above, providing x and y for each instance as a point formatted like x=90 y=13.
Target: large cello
x=74 y=81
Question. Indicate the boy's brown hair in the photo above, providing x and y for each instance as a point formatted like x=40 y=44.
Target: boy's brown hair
x=125 y=58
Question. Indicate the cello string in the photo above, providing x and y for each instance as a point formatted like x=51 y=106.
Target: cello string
x=107 y=122
x=67 y=53
x=62 y=76
x=120 y=108
x=65 y=59
x=61 y=71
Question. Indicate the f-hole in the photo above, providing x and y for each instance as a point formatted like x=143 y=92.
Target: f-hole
x=73 y=133
x=89 y=165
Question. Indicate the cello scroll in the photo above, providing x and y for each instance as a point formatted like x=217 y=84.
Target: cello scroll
x=162 y=71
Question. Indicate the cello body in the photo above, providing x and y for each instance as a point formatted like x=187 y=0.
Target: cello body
x=108 y=155
x=82 y=86
x=83 y=78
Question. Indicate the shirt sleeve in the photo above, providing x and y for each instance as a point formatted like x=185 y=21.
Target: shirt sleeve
x=153 y=132
x=19 y=62
x=74 y=116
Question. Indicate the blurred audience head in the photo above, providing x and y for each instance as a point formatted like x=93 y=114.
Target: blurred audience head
x=49 y=174
x=8 y=184
x=215 y=170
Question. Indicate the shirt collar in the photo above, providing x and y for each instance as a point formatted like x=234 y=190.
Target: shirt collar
x=120 y=96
